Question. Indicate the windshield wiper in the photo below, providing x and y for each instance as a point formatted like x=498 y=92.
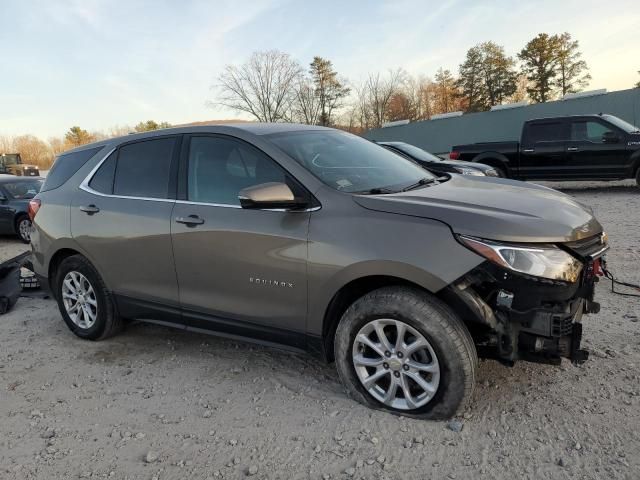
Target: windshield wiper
x=420 y=183
x=375 y=191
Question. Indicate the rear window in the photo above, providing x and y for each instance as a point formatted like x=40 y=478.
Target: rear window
x=23 y=190
x=66 y=166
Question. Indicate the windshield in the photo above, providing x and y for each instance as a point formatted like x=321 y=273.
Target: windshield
x=349 y=163
x=23 y=190
x=9 y=159
x=416 y=152
x=618 y=122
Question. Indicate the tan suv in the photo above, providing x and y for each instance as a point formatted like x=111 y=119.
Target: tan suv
x=316 y=240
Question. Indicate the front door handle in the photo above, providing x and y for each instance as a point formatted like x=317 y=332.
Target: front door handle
x=190 y=221
x=528 y=150
x=572 y=149
x=89 y=209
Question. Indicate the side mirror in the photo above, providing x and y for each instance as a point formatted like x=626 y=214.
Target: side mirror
x=269 y=195
x=3 y=198
x=610 y=137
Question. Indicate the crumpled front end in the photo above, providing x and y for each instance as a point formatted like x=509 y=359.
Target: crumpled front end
x=513 y=316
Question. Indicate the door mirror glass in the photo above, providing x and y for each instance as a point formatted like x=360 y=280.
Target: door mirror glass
x=269 y=195
x=610 y=137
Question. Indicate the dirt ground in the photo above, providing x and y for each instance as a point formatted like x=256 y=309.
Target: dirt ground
x=155 y=403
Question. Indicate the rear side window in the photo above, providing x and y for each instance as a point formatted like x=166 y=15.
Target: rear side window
x=102 y=180
x=143 y=169
x=546 y=132
x=66 y=166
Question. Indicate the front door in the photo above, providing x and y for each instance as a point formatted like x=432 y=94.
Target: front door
x=589 y=155
x=121 y=218
x=239 y=270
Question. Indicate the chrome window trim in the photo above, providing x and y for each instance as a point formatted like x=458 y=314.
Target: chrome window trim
x=85 y=185
x=228 y=205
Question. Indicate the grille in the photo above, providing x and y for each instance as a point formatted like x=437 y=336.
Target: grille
x=588 y=246
x=561 y=327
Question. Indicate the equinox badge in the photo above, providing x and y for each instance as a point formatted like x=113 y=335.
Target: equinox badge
x=272 y=283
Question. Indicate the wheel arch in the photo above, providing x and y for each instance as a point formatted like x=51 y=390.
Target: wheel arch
x=55 y=262
x=349 y=293
x=493 y=159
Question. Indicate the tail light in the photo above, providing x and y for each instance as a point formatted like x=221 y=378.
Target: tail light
x=34 y=206
x=453 y=155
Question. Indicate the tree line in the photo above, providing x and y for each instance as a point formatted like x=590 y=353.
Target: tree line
x=272 y=86
x=36 y=151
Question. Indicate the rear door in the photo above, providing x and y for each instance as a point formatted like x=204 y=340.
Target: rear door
x=588 y=154
x=121 y=217
x=543 y=149
x=240 y=271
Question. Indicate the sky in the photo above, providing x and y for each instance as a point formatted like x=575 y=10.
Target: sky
x=100 y=64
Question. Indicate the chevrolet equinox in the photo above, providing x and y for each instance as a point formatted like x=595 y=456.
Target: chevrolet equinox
x=320 y=241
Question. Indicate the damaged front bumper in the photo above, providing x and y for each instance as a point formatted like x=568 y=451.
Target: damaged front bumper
x=519 y=317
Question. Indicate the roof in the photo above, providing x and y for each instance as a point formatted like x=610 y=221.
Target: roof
x=255 y=128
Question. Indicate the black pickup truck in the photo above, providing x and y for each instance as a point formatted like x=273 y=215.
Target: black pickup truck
x=584 y=147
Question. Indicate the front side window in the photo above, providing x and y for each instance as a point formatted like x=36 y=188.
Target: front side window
x=143 y=168
x=219 y=167
x=349 y=163
x=23 y=190
x=546 y=132
x=588 y=131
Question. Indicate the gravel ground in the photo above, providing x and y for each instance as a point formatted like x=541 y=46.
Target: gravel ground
x=165 y=404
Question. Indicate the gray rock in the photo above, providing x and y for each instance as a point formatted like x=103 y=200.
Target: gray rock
x=151 y=457
x=350 y=471
x=455 y=425
x=253 y=469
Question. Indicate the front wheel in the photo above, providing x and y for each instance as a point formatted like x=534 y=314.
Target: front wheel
x=401 y=350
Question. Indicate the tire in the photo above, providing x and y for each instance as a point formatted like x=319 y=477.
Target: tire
x=100 y=321
x=638 y=177
x=23 y=228
x=501 y=171
x=450 y=354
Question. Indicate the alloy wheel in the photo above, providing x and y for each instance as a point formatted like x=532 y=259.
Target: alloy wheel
x=396 y=364
x=24 y=229
x=79 y=299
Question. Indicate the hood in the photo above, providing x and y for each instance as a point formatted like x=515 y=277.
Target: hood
x=493 y=208
x=461 y=163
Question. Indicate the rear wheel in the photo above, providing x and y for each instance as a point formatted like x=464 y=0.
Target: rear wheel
x=402 y=350
x=23 y=228
x=84 y=301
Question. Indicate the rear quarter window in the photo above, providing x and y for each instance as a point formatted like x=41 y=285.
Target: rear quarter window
x=65 y=166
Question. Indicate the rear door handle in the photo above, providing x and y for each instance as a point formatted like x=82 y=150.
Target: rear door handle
x=572 y=149
x=89 y=209
x=528 y=150
x=190 y=221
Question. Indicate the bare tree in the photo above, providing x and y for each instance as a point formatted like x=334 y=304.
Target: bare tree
x=33 y=150
x=306 y=107
x=378 y=91
x=263 y=86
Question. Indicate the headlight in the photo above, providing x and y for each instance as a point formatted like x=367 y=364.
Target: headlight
x=543 y=260
x=491 y=173
x=469 y=171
